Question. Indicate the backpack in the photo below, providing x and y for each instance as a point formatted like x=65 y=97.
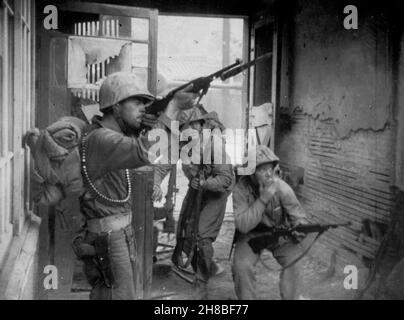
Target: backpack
x=57 y=173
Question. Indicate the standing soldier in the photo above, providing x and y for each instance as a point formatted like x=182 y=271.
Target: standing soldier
x=215 y=184
x=110 y=147
x=262 y=201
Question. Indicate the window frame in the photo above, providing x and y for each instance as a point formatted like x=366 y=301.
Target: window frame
x=16 y=105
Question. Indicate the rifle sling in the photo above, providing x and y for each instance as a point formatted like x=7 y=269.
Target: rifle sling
x=298 y=258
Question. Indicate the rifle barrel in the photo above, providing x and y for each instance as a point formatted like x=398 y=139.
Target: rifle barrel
x=318 y=227
x=209 y=78
x=236 y=70
x=199 y=84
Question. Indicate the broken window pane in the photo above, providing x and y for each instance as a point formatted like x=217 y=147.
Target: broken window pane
x=92 y=59
x=140 y=55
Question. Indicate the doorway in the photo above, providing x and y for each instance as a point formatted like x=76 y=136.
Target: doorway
x=193 y=46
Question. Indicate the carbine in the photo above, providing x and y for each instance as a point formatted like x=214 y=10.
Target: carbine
x=264 y=239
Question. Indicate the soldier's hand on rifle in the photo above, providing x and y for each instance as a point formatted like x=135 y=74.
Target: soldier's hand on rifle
x=149 y=120
x=157 y=193
x=299 y=235
x=195 y=183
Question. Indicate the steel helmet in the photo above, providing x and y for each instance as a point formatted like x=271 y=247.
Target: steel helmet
x=195 y=114
x=120 y=86
x=265 y=155
x=190 y=115
x=198 y=113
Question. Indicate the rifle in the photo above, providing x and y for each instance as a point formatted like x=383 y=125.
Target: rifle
x=189 y=214
x=264 y=239
x=198 y=209
x=201 y=85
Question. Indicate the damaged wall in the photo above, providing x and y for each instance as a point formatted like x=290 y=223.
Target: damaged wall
x=344 y=179
x=342 y=133
x=399 y=117
x=399 y=142
x=350 y=68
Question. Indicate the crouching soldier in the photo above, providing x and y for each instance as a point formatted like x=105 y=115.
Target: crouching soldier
x=214 y=183
x=109 y=148
x=261 y=201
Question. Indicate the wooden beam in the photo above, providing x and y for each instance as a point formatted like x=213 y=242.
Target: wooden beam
x=18 y=163
x=276 y=65
x=153 y=37
x=105 y=9
x=142 y=222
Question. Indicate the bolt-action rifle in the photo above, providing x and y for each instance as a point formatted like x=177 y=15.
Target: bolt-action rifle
x=264 y=239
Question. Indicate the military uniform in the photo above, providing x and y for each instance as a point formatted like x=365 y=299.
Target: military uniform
x=251 y=216
x=106 y=203
x=217 y=188
x=218 y=183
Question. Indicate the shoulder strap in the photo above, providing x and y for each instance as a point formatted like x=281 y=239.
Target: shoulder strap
x=295 y=260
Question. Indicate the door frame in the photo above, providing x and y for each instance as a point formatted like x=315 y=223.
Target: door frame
x=51 y=245
x=263 y=19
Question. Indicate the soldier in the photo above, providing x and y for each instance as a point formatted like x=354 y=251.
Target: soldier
x=261 y=201
x=216 y=184
x=113 y=145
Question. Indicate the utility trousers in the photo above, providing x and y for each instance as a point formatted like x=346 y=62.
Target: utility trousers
x=122 y=253
x=285 y=251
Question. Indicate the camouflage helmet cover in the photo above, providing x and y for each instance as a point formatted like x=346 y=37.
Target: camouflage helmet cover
x=120 y=86
x=198 y=114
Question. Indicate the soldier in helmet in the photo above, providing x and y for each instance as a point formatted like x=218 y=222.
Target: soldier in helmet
x=215 y=182
x=111 y=146
x=261 y=201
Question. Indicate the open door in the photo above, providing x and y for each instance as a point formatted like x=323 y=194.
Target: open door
x=264 y=83
x=93 y=40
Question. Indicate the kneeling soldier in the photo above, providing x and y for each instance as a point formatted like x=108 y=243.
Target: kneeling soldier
x=262 y=201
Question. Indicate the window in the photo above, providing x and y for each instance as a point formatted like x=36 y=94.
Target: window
x=190 y=47
x=9 y=67
x=15 y=114
x=1 y=76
